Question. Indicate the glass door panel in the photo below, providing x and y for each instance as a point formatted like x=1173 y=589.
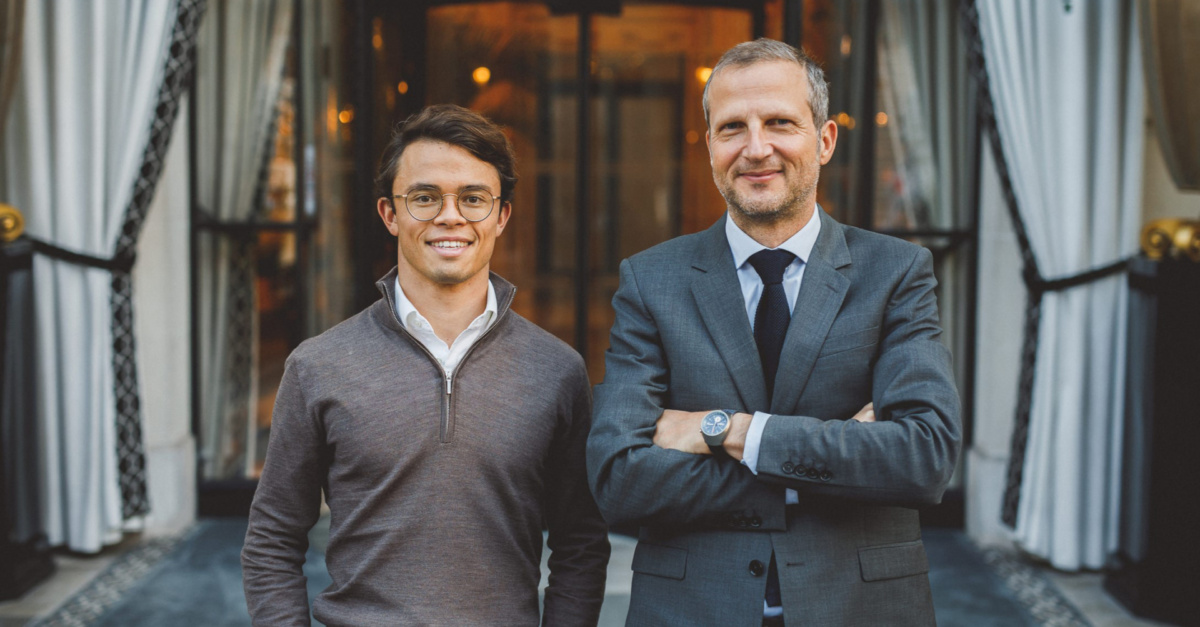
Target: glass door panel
x=651 y=178
x=516 y=64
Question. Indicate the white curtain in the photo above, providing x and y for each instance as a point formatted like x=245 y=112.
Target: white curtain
x=74 y=139
x=931 y=127
x=241 y=54
x=1066 y=82
x=906 y=93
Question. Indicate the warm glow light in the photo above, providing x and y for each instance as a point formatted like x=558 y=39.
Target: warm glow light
x=842 y=118
x=346 y=115
x=850 y=123
x=702 y=74
x=402 y=87
x=377 y=35
x=881 y=118
x=692 y=137
x=845 y=45
x=481 y=75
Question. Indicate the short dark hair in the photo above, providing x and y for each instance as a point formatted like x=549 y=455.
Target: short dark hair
x=763 y=50
x=456 y=126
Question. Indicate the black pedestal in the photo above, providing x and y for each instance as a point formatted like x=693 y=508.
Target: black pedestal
x=1157 y=572
x=24 y=561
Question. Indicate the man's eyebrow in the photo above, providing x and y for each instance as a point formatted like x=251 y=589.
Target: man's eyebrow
x=468 y=186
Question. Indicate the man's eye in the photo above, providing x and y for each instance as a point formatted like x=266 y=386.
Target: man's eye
x=474 y=200
x=423 y=198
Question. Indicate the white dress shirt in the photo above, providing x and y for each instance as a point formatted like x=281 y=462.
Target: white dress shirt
x=743 y=246
x=448 y=356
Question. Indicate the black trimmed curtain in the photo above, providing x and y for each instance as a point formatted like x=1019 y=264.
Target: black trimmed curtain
x=83 y=145
x=1062 y=103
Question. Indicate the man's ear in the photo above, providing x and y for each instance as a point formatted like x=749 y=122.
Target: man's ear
x=828 y=140
x=388 y=214
x=505 y=214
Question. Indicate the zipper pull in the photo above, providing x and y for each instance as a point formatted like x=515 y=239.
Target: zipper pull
x=449 y=384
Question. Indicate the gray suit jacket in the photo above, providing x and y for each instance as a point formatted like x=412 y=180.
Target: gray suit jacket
x=864 y=328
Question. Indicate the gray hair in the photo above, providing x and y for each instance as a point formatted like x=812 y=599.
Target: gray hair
x=763 y=50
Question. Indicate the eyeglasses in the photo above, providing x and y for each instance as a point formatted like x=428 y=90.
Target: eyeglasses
x=424 y=205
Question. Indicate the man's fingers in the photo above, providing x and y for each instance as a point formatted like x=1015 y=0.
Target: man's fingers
x=866 y=414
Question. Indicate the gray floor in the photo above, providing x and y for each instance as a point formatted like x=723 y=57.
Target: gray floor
x=197 y=581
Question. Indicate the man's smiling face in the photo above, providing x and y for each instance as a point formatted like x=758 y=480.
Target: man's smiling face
x=448 y=250
x=765 y=150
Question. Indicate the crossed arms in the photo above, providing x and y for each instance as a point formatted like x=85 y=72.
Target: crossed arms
x=645 y=461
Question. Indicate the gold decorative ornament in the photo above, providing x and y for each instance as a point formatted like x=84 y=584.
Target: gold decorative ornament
x=12 y=223
x=1187 y=240
x=1172 y=237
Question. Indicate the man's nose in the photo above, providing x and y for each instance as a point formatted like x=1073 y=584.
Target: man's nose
x=757 y=145
x=449 y=213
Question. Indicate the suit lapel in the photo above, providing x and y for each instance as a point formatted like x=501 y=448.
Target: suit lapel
x=821 y=293
x=719 y=299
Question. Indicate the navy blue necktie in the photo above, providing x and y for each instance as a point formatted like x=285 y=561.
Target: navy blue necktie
x=772 y=316
x=771 y=321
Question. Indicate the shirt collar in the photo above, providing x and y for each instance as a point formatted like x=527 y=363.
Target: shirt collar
x=408 y=314
x=799 y=244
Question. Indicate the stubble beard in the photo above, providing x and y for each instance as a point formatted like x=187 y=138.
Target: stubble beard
x=771 y=211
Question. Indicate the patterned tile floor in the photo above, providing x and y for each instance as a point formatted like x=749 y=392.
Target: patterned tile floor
x=194 y=579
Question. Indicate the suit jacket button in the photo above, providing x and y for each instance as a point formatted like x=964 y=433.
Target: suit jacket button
x=788 y=467
x=826 y=476
x=756 y=568
x=756 y=522
x=813 y=474
x=800 y=470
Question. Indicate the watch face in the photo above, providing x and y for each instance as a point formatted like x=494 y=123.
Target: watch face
x=714 y=423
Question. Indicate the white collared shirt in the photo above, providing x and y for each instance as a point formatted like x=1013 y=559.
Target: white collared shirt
x=449 y=356
x=743 y=246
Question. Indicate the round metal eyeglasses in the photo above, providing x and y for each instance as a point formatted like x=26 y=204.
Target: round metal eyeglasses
x=424 y=205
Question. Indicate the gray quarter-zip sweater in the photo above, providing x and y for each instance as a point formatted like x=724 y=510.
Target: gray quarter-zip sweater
x=438 y=488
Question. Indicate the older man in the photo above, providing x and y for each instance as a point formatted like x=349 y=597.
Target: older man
x=776 y=400
x=443 y=428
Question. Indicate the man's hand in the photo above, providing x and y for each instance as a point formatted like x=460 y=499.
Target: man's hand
x=866 y=414
x=680 y=430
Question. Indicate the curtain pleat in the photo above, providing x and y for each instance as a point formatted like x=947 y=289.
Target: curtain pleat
x=12 y=23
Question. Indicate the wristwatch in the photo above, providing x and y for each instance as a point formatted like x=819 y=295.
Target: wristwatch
x=715 y=427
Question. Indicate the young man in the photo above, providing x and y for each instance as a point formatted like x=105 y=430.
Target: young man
x=443 y=428
x=776 y=399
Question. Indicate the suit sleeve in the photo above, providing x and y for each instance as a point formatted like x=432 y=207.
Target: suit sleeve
x=577 y=536
x=286 y=505
x=636 y=482
x=908 y=456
